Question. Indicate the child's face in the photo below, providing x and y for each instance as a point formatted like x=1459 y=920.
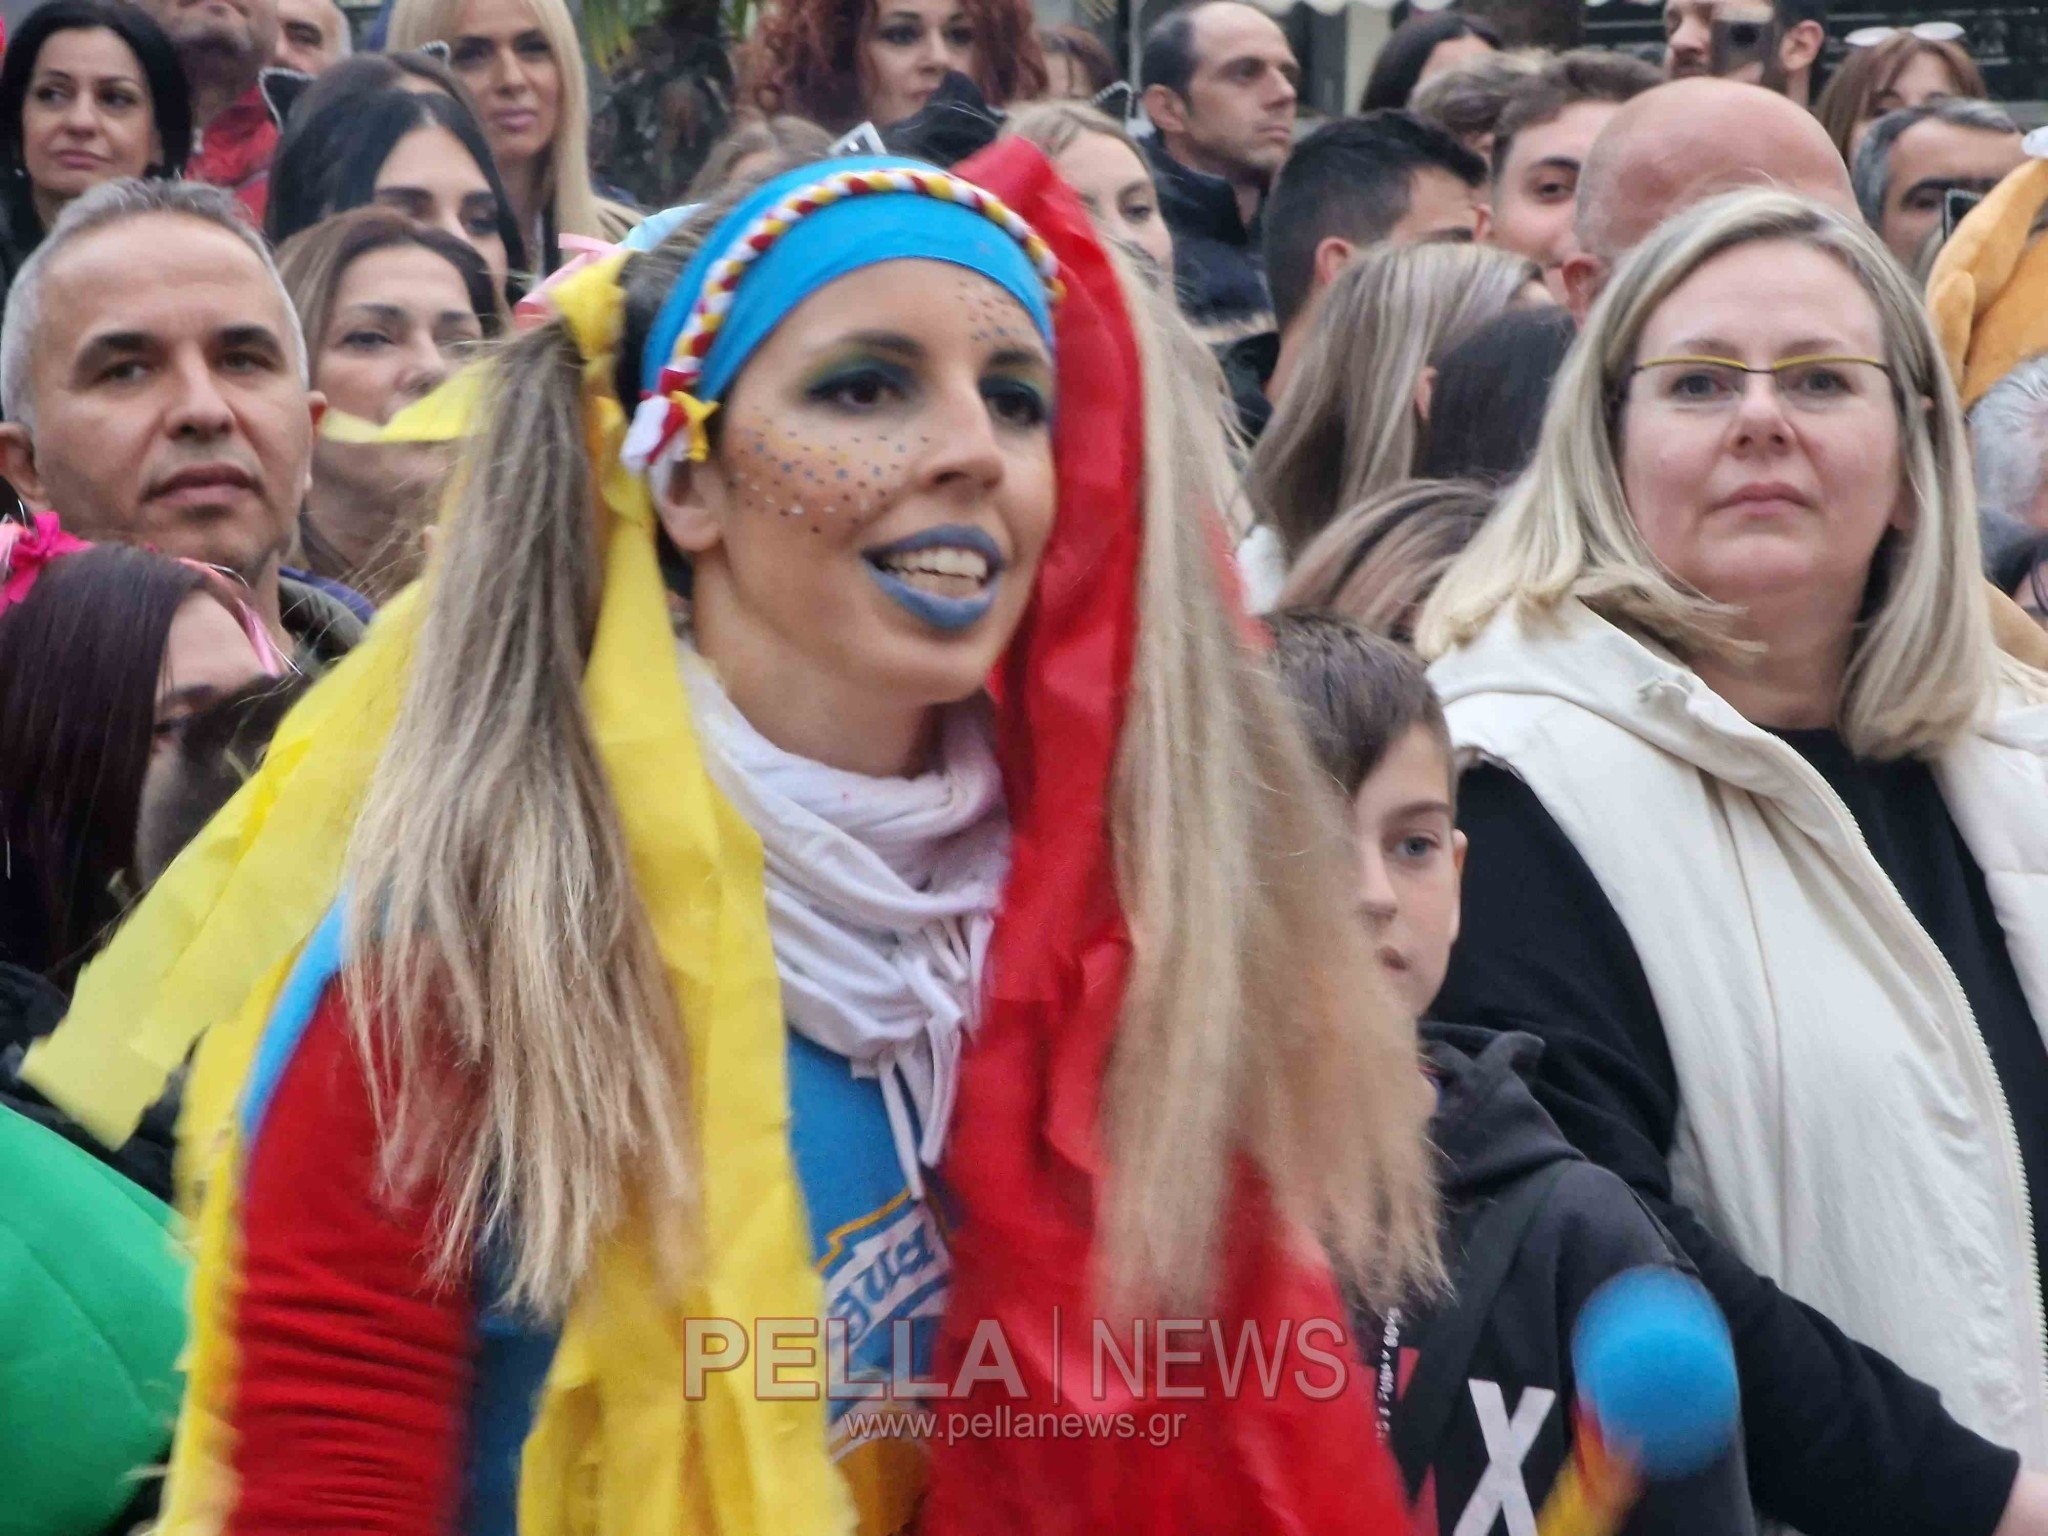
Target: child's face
x=1409 y=859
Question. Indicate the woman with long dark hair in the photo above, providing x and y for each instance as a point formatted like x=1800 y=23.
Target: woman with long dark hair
x=104 y=654
x=90 y=91
x=419 y=152
x=1487 y=393
x=1426 y=44
x=100 y=657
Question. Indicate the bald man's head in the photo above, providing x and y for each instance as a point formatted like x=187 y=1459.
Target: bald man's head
x=1682 y=143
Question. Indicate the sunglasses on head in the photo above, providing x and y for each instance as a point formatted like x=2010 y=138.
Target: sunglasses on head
x=1926 y=31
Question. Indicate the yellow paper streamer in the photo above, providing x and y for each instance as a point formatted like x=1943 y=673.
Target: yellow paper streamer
x=616 y=1448
x=440 y=417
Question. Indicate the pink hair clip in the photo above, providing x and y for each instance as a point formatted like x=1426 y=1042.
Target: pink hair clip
x=25 y=548
x=538 y=307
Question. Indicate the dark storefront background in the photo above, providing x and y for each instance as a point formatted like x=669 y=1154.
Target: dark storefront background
x=2008 y=37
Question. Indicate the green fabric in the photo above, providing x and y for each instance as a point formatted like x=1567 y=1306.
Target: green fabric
x=92 y=1319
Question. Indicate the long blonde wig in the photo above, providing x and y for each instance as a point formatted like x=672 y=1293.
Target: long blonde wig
x=507 y=939
x=565 y=186
x=1347 y=426
x=1923 y=660
x=1257 y=1023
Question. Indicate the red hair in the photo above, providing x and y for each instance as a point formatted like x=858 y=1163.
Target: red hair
x=801 y=58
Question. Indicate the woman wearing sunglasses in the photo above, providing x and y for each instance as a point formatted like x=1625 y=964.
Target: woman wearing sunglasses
x=1891 y=68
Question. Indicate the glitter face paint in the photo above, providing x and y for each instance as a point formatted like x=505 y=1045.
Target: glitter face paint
x=881 y=485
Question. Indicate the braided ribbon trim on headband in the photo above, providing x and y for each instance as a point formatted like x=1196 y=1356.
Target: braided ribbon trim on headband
x=672 y=406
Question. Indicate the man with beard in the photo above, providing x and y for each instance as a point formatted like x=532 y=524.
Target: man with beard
x=224 y=45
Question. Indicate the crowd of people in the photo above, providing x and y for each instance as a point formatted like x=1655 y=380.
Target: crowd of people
x=691 y=867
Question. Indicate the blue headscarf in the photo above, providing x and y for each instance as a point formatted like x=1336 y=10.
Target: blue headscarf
x=822 y=247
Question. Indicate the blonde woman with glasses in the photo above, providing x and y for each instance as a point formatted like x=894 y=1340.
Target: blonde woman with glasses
x=1759 y=849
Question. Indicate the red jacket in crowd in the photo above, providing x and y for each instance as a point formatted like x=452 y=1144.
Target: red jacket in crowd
x=233 y=152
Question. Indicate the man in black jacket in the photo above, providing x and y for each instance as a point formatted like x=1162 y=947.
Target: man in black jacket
x=1220 y=87
x=155 y=383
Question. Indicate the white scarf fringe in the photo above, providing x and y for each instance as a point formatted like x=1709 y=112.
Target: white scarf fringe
x=881 y=900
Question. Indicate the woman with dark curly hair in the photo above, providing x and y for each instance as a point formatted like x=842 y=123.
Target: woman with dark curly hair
x=901 y=50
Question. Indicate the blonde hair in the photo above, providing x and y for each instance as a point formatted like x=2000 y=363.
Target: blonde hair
x=509 y=939
x=565 y=186
x=1256 y=1020
x=1054 y=126
x=1347 y=428
x=1377 y=563
x=781 y=141
x=1923 y=660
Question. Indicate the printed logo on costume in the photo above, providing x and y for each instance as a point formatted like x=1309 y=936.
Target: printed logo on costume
x=1502 y=1494
x=883 y=1257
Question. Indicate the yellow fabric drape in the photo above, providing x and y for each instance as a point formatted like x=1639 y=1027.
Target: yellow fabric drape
x=617 y=1449
x=1988 y=292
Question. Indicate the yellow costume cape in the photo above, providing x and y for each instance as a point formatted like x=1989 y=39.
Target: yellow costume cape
x=616 y=1449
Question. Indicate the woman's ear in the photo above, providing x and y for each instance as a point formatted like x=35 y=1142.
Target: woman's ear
x=688 y=499
x=1425 y=391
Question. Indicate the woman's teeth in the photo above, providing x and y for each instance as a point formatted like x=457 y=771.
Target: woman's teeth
x=941 y=571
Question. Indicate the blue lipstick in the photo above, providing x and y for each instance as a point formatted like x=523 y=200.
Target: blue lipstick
x=950 y=614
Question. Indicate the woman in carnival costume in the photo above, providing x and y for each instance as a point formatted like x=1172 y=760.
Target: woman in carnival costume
x=963 y=821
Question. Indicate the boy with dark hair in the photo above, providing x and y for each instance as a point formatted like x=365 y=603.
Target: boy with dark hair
x=1356 y=182
x=1547 y=125
x=1476 y=1390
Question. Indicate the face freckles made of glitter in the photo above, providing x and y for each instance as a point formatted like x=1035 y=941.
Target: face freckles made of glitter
x=880 y=490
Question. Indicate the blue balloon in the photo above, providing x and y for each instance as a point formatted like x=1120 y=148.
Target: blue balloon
x=1656 y=1370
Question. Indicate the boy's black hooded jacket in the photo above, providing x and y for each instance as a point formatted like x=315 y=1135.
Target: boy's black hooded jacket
x=1508 y=1433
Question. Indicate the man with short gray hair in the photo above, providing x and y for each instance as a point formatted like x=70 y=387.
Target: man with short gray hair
x=312 y=36
x=1909 y=161
x=154 y=377
x=2009 y=439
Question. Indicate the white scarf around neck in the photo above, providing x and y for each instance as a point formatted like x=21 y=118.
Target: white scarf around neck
x=881 y=900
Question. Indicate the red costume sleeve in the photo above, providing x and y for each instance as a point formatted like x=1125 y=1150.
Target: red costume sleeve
x=352 y=1365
